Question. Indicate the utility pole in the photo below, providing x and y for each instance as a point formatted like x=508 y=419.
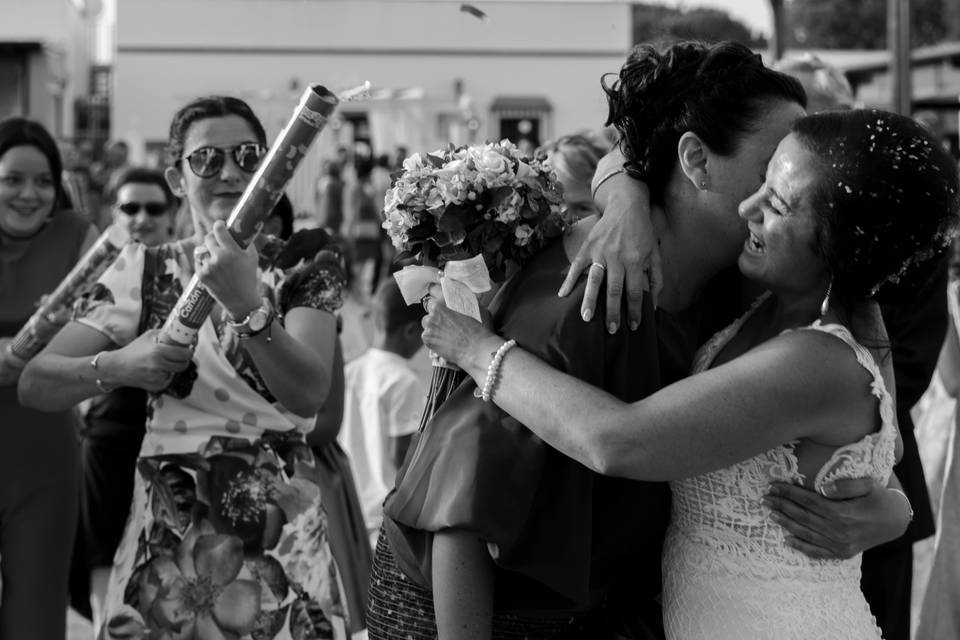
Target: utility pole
x=779 y=36
x=898 y=43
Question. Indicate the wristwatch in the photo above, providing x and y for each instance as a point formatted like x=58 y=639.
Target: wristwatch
x=256 y=321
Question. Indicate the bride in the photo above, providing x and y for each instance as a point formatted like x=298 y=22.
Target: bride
x=792 y=391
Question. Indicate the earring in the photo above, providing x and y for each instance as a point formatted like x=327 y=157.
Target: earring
x=703 y=185
x=825 y=305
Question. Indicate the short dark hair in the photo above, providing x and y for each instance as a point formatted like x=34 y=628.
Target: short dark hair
x=886 y=199
x=717 y=91
x=141 y=175
x=283 y=210
x=19 y=132
x=390 y=309
x=202 y=109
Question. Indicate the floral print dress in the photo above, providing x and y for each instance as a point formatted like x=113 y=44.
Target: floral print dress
x=228 y=535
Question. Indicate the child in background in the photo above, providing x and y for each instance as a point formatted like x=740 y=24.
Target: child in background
x=384 y=400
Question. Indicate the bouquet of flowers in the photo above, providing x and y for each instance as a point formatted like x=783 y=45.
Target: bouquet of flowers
x=470 y=212
x=486 y=200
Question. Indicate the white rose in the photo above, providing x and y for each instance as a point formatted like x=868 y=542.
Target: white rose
x=523 y=233
x=451 y=169
x=413 y=163
x=509 y=209
x=392 y=198
x=526 y=174
x=434 y=200
x=453 y=191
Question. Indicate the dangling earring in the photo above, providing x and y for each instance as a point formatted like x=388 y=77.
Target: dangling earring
x=825 y=305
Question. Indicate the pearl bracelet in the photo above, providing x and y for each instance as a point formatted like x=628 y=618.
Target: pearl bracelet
x=493 y=371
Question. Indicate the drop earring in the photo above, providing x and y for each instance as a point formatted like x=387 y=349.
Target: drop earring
x=825 y=305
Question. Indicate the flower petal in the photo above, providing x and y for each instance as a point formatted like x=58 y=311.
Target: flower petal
x=208 y=629
x=218 y=556
x=238 y=606
x=172 y=614
x=157 y=578
x=125 y=624
x=185 y=551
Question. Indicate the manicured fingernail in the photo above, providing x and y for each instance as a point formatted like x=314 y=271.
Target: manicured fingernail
x=563 y=291
x=587 y=314
x=612 y=327
x=776 y=517
x=829 y=489
x=634 y=325
x=774 y=490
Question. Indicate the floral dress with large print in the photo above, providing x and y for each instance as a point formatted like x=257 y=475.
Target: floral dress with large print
x=227 y=536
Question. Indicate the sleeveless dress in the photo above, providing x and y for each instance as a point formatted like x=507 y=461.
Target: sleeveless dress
x=228 y=534
x=728 y=574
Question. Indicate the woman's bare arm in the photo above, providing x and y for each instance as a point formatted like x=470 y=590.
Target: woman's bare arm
x=802 y=384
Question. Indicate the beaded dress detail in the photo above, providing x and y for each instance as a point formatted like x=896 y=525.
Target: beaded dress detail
x=728 y=573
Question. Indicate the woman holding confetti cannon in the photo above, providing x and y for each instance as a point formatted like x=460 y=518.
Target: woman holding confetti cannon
x=228 y=532
x=39 y=244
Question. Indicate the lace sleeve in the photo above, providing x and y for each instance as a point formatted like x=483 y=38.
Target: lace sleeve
x=317 y=283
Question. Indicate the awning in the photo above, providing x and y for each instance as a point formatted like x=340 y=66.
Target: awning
x=945 y=101
x=22 y=46
x=520 y=106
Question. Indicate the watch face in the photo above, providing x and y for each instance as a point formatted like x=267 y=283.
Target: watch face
x=258 y=320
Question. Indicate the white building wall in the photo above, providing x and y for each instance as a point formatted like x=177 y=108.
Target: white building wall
x=61 y=72
x=266 y=51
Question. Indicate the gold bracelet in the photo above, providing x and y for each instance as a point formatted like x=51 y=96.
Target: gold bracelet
x=909 y=506
x=607 y=176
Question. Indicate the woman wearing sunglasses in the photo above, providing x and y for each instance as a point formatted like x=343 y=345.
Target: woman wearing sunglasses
x=228 y=531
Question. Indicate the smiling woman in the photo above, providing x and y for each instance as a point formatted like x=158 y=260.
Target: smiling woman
x=39 y=243
x=225 y=475
x=791 y=392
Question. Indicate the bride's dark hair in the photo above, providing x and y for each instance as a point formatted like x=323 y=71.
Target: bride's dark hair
x=717 y=91
x=886 y=201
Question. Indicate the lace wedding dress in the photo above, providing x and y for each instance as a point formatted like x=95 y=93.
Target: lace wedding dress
x=728 y=573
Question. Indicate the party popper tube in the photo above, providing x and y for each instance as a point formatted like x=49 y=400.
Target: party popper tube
x=264 y=190
x=28 y=342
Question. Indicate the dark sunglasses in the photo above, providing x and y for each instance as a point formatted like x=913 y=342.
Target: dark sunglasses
x=207 y=162
x=152 y=208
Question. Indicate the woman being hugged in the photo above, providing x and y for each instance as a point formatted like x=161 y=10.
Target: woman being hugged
x=792 y=391
x=488 y=517
x=39 y=244
x=227 y=532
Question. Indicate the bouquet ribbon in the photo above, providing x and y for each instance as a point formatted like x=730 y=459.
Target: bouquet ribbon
x=460 y=280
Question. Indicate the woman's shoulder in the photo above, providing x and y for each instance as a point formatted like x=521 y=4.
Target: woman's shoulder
x=312 y=269
x=824 y=364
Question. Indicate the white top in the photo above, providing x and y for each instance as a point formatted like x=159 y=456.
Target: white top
x=384 y=399
x=728 y=572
